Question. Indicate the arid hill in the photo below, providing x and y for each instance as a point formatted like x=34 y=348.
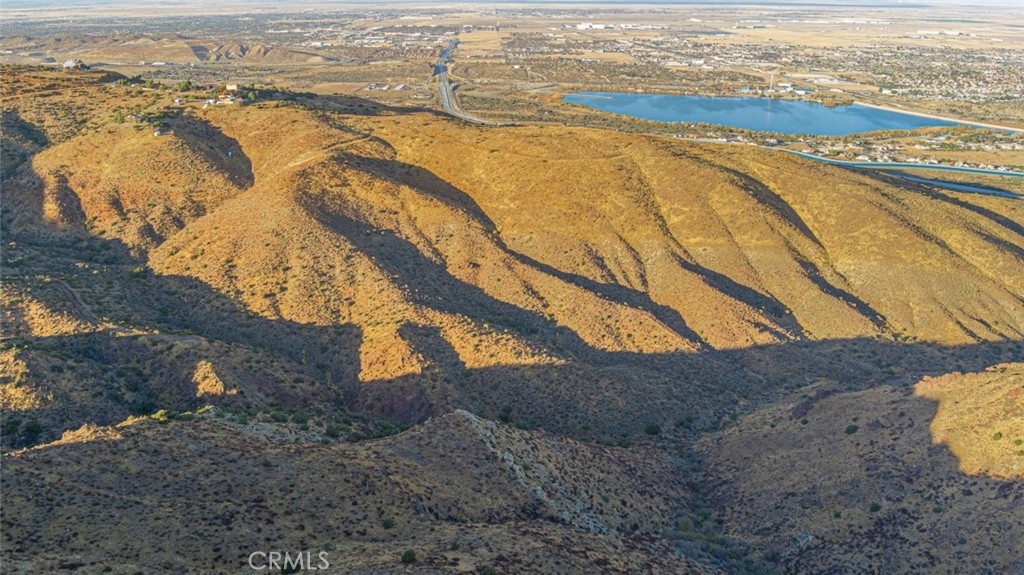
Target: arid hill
x=880 y=480
x=374 y=499
x=133 y=48
x=217 y=319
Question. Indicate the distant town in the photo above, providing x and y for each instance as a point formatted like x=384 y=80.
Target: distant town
x=513 y=64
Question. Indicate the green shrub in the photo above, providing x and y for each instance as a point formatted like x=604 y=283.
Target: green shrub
x=10 y=426
x=489 y=571
x=409 y=557
x=874 y=507
x=997 y=436
x=652 y=429
x=851 y=429
x=389 y=523
x=506 y=414
x=32 y=430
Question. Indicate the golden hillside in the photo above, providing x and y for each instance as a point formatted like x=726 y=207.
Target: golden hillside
x=325 y=271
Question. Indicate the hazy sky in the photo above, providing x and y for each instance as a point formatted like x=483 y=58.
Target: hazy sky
x=851 y=3
x=282 y=5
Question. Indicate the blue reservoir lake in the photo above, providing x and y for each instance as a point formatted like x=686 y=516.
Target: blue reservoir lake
x=761 y=114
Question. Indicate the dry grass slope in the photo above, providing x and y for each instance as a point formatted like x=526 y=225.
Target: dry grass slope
x=855 y=482
x=324 y=270
x=518 y=501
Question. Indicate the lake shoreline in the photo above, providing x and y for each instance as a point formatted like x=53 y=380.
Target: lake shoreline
x=937 y=117
x=755 y=113
x=595 y=99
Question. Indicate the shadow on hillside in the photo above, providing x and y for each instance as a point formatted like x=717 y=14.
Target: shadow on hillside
x=750 y=296
x=221 y=150
x=425 y=181
x=44 y=205
x=24 y=213
x=785 y=324
x=949 y=197
x=429 y=341
x=356 y=106
x=433 y=390
x=283 y=489
x=616 y=397
x=202 y=53
x=165 y=326
x=432 y=286
x=937 y=182
x=596 y=395
x=19 y=141
x=159 y=324
x=773 y=475
x=603 y=396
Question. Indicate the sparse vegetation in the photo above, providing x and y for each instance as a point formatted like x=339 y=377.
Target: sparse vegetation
x=253 y=277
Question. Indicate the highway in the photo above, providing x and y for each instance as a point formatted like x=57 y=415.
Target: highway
x=904 y=165
x=892 y=168
x=448 y=102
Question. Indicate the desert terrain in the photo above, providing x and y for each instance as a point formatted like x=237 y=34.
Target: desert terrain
x=319 y=322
